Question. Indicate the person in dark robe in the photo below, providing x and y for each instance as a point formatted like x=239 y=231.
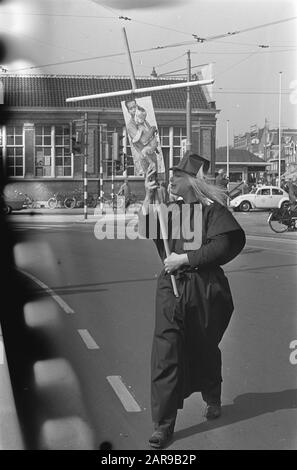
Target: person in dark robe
x=188 y=329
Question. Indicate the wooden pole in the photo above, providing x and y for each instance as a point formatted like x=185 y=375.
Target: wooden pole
x=161 y=220
x=165 y=239
x=132 y=75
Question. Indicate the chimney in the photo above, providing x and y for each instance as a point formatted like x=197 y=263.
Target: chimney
x=154 y=73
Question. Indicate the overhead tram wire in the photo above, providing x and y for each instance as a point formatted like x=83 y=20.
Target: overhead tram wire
x=184 y=68
x=122 y=17
x=249 y=92
x=209 y=38
x=185 y=43
x=170 y=61
x=58 y=15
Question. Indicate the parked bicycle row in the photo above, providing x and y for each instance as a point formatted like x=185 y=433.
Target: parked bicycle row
x=63 y=200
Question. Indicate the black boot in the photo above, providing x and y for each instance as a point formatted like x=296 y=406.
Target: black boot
x=161 y=438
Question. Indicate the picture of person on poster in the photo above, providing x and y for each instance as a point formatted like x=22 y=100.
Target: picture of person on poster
x=142 y=135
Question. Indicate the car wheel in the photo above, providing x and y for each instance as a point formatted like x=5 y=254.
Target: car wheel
x=245 y=206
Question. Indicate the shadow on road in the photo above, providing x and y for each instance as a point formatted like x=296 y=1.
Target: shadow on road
x=90 y=287
x=246 y=406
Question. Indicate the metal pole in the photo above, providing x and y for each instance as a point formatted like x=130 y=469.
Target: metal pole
x=188 y=105
x=112 y=182
x=227 y=171
x=279 y=128
x=227 y=149
x=85 y=165
x=101 y=166
x=132 y=75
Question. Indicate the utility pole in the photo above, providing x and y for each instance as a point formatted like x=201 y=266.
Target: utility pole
x=227 y=171
x=188 y=105
x=85 y=165
x=279 y=129
x=228 y=163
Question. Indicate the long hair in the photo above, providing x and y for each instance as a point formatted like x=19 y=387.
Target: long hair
x=205 y=191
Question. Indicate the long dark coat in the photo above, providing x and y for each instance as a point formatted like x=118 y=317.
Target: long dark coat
x=185 y=353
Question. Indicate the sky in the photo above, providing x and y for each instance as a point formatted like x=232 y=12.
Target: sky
x=67 y=33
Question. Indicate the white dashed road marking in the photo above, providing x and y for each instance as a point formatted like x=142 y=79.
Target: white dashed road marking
x=49 y=291
x=87 y=339
x=127 y=400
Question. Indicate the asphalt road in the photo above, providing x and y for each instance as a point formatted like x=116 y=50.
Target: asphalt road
x=109 y=287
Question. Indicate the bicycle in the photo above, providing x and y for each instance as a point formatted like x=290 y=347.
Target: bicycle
x=29 y=202
x=283 y=219
x=57 y=200
x=77 y=200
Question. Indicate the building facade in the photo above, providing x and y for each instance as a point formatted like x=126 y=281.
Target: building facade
x=264 y=143
x=37 y=144
x=243 y=166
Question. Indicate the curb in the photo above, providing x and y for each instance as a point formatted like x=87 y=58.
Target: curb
x=79 y=219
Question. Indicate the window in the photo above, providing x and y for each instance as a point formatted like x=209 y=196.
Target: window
x=129 y=162
x=63 y=160
x=164 y=137
x=235 y=177
x=109 y=165
x=52 y=151
x=179 y=134
x=264 y=192
x=15 y=150
x=43 y=151
x=277 y=192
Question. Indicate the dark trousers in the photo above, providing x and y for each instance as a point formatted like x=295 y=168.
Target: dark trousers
x=185 y=356
x=166 y=386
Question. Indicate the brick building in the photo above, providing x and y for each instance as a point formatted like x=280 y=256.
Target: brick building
x=36 y=143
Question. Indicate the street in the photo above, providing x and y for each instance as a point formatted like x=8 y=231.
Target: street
x=109 y=288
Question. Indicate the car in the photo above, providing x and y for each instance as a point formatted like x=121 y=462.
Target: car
x=263 y=197
x=12 y=202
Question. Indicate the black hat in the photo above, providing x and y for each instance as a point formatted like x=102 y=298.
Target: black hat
x=191 y=164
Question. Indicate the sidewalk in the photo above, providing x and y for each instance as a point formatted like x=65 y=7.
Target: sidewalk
x=67 y=215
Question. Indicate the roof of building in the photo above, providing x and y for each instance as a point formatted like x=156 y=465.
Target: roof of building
x=52 y=90
x=237 y=156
